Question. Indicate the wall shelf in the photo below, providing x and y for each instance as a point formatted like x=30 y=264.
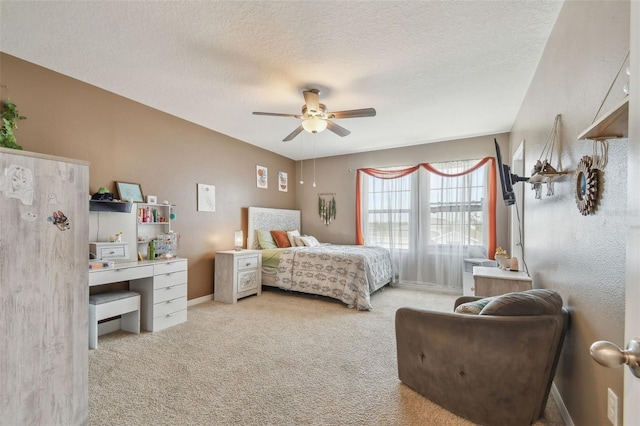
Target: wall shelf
x=110 y=206
x=612 y=125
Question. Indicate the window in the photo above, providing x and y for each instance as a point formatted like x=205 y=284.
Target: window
x=389 y=206
x=457 y=205
x=429 y=216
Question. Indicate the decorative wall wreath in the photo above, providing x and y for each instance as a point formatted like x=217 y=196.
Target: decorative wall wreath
x=586 y=186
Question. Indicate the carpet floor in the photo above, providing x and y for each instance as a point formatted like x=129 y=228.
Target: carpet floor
x=274 y=359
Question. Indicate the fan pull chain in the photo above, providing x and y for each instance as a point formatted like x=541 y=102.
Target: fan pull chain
x=314 y=161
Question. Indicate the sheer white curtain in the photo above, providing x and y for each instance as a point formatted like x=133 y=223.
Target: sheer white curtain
x=429 y=219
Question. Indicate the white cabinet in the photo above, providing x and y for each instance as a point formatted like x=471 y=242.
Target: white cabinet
x=495 y=281
x=153 y=220
x=44 y=300
x=164 y=302
x=237 y=275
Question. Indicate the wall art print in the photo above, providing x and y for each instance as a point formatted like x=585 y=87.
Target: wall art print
x=283 y=185
x=206 y=198
x=261 y=177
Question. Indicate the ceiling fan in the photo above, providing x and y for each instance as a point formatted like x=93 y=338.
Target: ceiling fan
x=316 y=118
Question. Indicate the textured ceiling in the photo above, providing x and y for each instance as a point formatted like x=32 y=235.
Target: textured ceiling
x=433 y=70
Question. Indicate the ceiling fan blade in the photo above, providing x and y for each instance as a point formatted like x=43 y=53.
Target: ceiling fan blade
x=293 y=134
x=275 y=114
x=354 y=113
x=312 y=100
x=338 y=130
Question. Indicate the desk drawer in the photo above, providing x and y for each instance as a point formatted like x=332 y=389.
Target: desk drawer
x=169 y=320
x=172 y=278
x=168 y=293
x=169 y=306
x=247 y=262
x=168 y=267
x=115 y=275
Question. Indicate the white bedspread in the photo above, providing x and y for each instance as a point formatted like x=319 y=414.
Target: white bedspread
x=348 y=273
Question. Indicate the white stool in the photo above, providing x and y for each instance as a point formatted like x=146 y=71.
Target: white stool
x=111 y=304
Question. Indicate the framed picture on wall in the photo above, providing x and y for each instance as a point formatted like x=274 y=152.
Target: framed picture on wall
x=282 y=182
x=130 y=192
x=206 y=198
x=261 y=177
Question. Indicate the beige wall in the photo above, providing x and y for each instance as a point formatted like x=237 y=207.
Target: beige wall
x=580 y=256
x=126 y=141
x=333 y=175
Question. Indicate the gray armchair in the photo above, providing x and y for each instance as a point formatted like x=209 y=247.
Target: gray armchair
x=495 y=368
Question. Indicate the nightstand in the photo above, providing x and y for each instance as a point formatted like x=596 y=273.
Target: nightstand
x=238 y=274
x=489 y=281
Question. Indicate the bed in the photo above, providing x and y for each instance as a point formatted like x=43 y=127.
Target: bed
x=349 y=273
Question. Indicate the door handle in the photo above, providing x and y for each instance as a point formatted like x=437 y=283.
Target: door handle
x=610 y=355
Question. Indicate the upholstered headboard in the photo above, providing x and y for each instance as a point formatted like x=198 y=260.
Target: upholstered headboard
x=269 y=219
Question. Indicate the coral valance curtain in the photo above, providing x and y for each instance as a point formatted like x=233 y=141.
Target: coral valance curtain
x=407 y=207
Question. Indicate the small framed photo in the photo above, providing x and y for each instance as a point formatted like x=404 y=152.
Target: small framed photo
x=130 y=192
x=152 y=199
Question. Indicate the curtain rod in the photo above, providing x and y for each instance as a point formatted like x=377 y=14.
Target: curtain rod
x=351 y=170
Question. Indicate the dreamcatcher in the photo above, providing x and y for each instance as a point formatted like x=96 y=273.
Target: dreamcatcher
x=327 y=207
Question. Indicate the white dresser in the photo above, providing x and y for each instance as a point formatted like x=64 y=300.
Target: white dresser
x=237 y=275
x=162 y=285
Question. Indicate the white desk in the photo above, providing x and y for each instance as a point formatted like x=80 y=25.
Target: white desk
x=162 y=285
x=488 y=281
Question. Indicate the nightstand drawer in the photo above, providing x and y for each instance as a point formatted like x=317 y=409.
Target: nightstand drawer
x=247 y=280
x=168 y=293
x=166 y=280
x=247 y=262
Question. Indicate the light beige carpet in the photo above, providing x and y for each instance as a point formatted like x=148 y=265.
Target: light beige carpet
x=276 y=359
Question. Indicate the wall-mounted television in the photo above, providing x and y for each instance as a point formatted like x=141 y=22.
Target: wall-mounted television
x=507 y=179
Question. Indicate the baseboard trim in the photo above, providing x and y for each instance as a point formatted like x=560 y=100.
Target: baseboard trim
x=564 y=413
x=426 y=287
x=199 y=300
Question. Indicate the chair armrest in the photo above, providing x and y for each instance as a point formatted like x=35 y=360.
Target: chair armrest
x=465 y=299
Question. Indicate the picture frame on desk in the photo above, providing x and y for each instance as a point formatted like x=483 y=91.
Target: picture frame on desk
x=130 y=192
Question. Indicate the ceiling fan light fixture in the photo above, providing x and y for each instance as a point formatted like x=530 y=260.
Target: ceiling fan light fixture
x=314 y=124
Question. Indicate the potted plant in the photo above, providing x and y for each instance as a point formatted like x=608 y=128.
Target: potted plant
x=10 y=115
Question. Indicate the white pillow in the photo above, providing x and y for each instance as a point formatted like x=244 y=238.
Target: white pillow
x=308 y=241
x=313 y=240
x=291 y=235
x=299 y=241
